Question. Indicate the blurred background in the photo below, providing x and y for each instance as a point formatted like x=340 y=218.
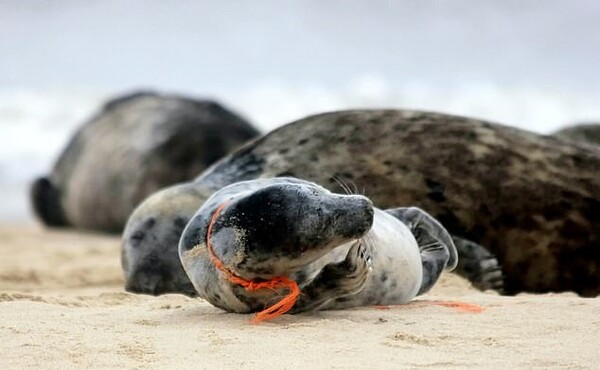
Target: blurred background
x=526 y=63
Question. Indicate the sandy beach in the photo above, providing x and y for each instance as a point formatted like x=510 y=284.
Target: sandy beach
x=62 y=305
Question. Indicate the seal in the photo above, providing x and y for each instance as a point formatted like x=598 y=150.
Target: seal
x=531 y=200
x=338 y=249
x=137 y=144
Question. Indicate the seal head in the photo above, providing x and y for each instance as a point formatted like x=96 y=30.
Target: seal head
x=268 y=228
x=149 y=256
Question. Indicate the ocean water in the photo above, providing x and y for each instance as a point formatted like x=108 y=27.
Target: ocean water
x=35 y=125
x=524 y=63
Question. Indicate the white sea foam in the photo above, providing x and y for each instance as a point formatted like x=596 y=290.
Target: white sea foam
x=36 y=124
x=510 y=61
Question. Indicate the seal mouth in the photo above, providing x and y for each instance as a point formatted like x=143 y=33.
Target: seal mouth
x=158 y=289
x=187 y=289
x=150 y=290
x=156 y=279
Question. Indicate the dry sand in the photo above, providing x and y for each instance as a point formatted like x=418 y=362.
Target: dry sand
x=62 y=306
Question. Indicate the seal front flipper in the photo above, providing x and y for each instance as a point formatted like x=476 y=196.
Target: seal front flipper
x=475 y=263
x=478 y=265
x=337 y=280
x=45 y=199
x=435 y=243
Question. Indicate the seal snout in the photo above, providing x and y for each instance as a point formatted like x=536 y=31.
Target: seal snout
x=144 y=284
x=353 y=215
x=153 y=283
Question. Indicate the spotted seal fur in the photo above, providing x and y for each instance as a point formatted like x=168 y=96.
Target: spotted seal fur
x=531 y=200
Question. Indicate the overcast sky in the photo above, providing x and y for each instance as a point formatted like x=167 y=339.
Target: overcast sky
x=203 y=45
x=528 y=63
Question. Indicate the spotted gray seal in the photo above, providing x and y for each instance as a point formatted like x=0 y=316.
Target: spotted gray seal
x=137 y=144
x=531 y=200
x=340 y=250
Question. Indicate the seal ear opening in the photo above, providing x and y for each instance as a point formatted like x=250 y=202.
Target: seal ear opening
x=46 y=203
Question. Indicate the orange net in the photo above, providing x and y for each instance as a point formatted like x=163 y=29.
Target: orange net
x=279 y=308
x=459 y=306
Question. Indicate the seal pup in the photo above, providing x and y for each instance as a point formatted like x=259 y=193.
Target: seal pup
x=340 y=250
x=137 y=144
x=530 y=199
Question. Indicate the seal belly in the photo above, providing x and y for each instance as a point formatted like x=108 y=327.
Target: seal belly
x=397 y=267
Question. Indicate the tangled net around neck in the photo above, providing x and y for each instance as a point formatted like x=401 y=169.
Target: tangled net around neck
x=271 y=312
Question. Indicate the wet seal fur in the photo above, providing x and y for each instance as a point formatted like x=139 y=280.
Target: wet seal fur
x=531 y=200
x=340 y=250
x=137 y=144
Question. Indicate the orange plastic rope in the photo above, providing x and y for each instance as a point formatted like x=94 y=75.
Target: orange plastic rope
x=271 y=312
x=459 y=306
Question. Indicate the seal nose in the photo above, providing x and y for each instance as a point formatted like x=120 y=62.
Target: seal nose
x=354 y=215
x=131 y=287
x=144 y=284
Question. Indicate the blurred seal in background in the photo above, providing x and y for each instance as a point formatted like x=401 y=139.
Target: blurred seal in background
x=137 y=144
